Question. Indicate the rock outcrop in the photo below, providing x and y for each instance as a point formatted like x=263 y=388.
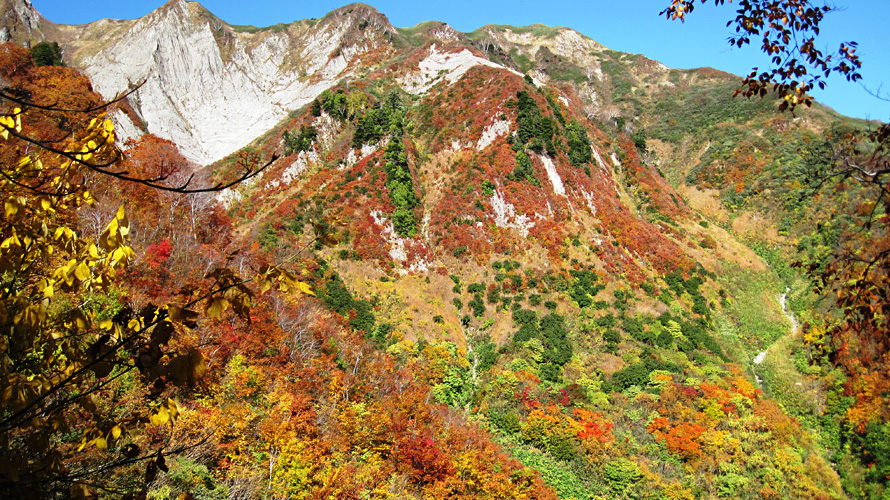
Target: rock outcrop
x=20 y=22
x=212 y=88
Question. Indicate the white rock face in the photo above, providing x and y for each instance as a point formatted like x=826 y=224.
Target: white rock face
x=398 y=246
x=20 y=22
x=599 y=159
x=302 y=162
x=124 y=128
x=553 y=175
x=213 y=97
x=505 y=214
x=445 y=33
x=565 y=42
x=450 y=65
x=495 y=129
x=591 y=201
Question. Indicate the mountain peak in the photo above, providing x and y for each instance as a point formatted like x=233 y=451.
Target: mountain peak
x=357 y=7
x=364 y=13
x=20 y=22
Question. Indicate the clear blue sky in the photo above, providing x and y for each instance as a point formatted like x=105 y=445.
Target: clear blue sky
x=624 y=25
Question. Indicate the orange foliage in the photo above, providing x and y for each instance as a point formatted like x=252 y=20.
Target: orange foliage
x=593 y=426
x=681 y=439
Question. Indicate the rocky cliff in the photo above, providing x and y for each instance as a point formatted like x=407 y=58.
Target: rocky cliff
x=207 y=86
x=211 y=87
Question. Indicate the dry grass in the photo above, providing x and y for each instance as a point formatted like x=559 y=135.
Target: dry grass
x=728 y=249
x=756 y=226
x=705 y=201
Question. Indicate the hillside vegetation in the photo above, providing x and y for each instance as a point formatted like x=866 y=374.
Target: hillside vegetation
x=480 y=267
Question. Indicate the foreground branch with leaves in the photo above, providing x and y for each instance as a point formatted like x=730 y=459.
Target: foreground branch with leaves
x=62 y=349
x=853 y=173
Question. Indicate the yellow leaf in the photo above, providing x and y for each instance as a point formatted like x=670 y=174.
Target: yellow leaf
x=80 y=321
x=11 y=241
x=305 y=288
x=108 y=240
x=82 y=272
x=173 y=407
x=216 y=307
x=11 y=207
x=101 y=443
x=161 y=417
x=106 y=324
x=94 y=252
x=199 y=363
x=118 y=255
x=116 y=431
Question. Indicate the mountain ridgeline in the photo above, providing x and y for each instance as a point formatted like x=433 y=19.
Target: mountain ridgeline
x=541 y=268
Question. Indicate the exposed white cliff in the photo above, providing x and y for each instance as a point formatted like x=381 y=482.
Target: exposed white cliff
x=212 y=90
x=443 y=65
x=19 y=22
x=505 y=214
x=399 y=247
x=124 y=128
x=553 y=175
x=495 y=129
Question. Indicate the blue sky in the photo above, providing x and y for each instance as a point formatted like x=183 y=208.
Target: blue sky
x=624 y=25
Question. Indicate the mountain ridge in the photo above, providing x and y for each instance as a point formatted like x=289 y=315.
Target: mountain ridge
x=260 y=63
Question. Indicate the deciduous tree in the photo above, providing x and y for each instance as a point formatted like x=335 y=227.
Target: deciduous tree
x=62 y=343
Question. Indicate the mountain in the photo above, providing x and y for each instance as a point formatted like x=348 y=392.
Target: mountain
x=519 y=240
x=208 y=86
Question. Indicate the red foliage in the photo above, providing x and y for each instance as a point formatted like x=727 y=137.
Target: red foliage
x=564 y=398
x=426 y=463
x=157 y=253
x=529 y=402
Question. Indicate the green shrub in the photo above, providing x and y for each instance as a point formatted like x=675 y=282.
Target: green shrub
x=338 y=298
x=300 y=141
x=185 y=475
x=47 y=54
x=612 y=336
x=477 y=305
x=487 y=188
x=621 y=473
